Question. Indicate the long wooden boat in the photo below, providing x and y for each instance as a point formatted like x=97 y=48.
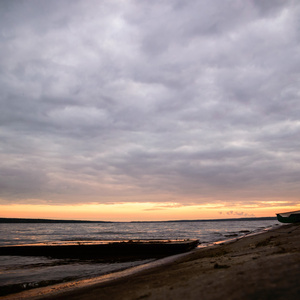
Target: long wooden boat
x=289 y=217
x=102 y=249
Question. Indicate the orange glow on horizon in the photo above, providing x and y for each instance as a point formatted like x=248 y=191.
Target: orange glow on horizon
x=140 y=211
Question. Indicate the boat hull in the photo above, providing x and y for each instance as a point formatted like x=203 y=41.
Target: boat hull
x=290 y=218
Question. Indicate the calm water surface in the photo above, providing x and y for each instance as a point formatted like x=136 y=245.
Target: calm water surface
x=21 y=273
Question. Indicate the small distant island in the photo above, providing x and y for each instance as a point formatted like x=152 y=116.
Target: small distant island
x=23 y=220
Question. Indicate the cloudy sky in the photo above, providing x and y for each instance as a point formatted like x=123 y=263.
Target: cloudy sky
x=159 y=104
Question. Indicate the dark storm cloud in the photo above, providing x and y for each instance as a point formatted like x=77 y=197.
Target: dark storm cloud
x=108 y=101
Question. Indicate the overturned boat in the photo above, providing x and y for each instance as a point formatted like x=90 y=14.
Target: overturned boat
x=116 y=250
x=289 y=217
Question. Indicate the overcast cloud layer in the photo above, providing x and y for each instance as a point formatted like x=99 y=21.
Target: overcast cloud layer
x=184 y=101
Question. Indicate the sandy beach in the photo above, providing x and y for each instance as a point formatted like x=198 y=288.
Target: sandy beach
x=263 y=266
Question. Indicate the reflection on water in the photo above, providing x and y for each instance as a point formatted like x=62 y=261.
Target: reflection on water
x=14 y=269
x=205 y=231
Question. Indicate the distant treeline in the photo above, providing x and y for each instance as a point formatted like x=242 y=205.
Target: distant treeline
x=19 y=220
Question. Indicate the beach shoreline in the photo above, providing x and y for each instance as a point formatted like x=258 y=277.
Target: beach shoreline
x=253 y=267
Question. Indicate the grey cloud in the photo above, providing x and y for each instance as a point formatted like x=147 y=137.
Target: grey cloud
x=239 y=213
x=21 y=183
x=108 y=101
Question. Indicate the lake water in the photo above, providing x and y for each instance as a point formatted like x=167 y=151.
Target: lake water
x=20 y=273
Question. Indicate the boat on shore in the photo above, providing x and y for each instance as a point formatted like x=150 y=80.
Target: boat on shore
x=114 y=250
x=289 y=217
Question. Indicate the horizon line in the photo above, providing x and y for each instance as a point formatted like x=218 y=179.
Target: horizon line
x=42 y=220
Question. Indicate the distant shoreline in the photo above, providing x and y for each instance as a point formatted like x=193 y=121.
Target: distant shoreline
x=24 y=220
x=20 y=220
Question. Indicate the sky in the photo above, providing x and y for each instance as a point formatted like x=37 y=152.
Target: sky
x=149 y=110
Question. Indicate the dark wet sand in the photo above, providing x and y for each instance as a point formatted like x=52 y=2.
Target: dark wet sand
x=264 y=266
